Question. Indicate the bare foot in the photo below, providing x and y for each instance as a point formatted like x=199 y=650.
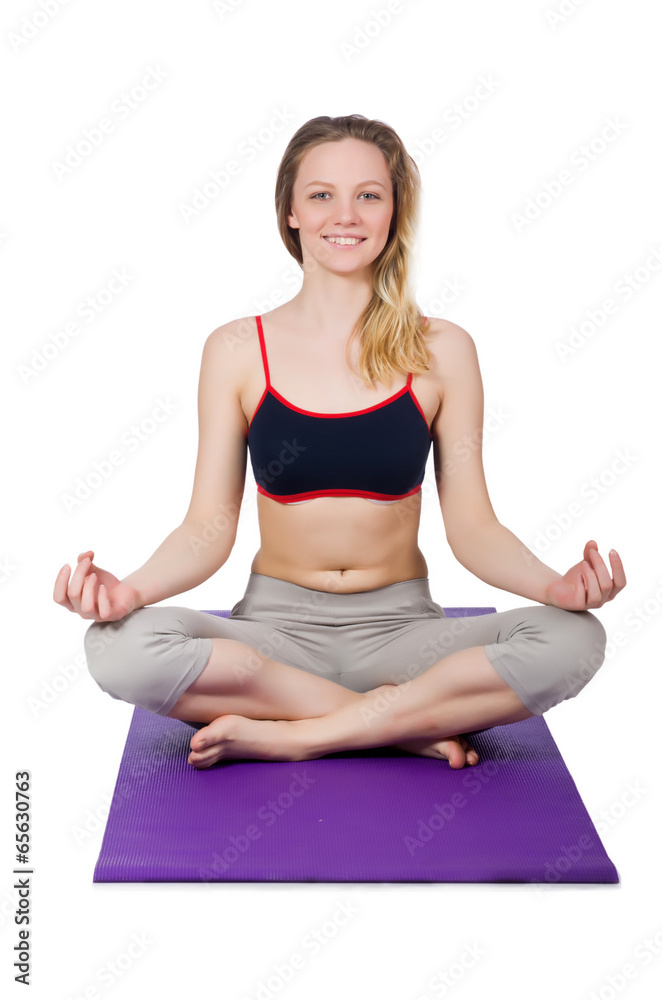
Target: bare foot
x=266 y=739
x=455 y=749
x=239 y=736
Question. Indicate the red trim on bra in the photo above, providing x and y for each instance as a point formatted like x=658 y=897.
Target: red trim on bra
x=337 y=493
x=314 y=413
x=347 y=413
x=263 y=348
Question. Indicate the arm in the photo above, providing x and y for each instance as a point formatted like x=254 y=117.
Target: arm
x=176 y=566
x=476 y=537
x=495 y=555
x=200 y=545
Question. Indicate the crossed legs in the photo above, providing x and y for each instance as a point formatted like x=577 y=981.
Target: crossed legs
x=258 y=706
x=153 y=650
x=278 y=712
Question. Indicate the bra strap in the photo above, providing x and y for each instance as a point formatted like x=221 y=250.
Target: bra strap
x=263 y=348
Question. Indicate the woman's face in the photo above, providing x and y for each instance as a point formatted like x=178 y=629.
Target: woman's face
x=342 y=188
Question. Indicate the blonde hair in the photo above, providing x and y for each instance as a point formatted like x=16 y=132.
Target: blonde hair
x=391 y=327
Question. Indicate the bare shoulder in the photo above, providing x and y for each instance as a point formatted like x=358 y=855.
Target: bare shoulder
x=232 y=335
x=447 y=339
x=452 y=351
x=229 y=349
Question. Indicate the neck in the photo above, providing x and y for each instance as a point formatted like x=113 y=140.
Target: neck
x=331 y=303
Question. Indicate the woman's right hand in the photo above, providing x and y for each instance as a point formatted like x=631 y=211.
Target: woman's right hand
x=94 y=592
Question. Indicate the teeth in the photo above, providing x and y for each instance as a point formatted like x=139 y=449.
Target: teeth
x=342 y=240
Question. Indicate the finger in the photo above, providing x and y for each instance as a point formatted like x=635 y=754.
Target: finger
x=104 y=602
x=602 y=573
x=60 y=588
x=618 y=571
x=90 y=553
x=88 y=601
x=76 y=583
x=581 y=596
x=593 y=592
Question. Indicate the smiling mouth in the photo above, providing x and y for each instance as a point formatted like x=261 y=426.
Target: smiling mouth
x=342 y=241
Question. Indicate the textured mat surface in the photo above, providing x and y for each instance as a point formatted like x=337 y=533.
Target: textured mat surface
x=375 y=815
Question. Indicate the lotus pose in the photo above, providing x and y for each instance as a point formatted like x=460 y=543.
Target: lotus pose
x=338 y=396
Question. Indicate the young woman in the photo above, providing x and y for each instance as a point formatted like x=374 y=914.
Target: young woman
x=338 y=396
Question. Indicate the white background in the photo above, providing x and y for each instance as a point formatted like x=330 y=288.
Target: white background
x=226 y=73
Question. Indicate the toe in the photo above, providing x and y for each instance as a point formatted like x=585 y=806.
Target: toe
x=197 y=742
x=200 y=760
x=472 y=754
x=456 y=756
x=209 y=734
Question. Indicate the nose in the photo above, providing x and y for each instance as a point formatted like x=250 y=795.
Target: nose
x=347 y=213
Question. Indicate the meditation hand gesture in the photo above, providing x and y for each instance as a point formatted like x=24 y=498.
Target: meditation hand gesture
x=587 y=584
x=94 y=592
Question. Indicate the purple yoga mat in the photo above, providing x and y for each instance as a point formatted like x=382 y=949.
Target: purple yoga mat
x=374 y=815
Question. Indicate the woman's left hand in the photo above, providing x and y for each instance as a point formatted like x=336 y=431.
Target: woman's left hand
x=587 y=584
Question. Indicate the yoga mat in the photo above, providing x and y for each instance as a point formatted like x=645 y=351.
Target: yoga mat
x=374 y=815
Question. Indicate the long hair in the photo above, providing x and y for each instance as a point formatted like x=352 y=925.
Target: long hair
x=391 y=327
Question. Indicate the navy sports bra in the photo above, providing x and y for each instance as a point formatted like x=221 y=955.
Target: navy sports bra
x=379 y=453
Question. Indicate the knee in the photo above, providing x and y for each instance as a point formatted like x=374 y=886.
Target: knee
x=596 y=633
x=555 y=653
x=581 y=642
x=115 y=652
x=586 y=637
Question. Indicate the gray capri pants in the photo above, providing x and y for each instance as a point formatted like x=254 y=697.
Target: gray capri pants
x=384 y=636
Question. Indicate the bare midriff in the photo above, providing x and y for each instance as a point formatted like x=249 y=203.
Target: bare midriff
x=335 y=544
x=340 y=544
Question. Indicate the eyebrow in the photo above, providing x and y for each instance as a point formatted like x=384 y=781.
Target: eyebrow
x=329 y=184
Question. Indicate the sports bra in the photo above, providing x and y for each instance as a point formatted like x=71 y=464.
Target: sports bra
x=378 y=453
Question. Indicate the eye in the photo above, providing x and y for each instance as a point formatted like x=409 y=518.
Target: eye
x=372 y=195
